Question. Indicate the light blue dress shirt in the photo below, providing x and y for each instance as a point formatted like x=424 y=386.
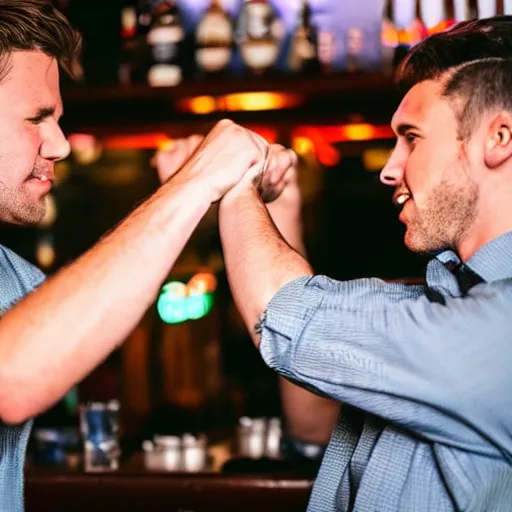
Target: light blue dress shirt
x=17 y=279
x=426 y=388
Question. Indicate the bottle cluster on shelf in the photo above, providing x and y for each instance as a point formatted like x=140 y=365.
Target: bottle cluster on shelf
x=157 y=48
x=397 y=38
x=166 y=42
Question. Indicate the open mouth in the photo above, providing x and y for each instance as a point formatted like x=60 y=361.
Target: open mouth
x=46 y=177
x=400 y=198
x=43 y=183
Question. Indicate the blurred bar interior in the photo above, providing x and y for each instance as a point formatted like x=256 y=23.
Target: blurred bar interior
x=315 y=75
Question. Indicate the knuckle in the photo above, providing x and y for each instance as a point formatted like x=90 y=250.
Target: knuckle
x=224 y=123
x=282 y=160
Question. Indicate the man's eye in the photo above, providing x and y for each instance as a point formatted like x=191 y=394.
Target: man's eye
x=410 y=138
x=36 y=120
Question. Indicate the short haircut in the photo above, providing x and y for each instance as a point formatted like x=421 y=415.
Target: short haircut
x=27 y=25
x=475 y=58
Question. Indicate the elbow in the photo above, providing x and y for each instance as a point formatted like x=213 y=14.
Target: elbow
x=14 y=408
x=13 y=417
x=13 y=414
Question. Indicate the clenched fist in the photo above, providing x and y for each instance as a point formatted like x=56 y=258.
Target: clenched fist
x=228 y=155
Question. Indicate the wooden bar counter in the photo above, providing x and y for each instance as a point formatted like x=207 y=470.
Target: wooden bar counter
x=133 y=487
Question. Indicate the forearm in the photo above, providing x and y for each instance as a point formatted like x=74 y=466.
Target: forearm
x=286 y=215
x=258 y=261
x=309 y=417
x=59 y=333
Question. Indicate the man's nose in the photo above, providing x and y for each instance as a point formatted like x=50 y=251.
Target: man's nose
x=55 y=145
x=393 y=172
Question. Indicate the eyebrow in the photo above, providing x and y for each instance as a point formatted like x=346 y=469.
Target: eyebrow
x=44 y=112
x=403 y=128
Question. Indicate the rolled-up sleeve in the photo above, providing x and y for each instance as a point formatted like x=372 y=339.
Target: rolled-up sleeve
x=441 y=371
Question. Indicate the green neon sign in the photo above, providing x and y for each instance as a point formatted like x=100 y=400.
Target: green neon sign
x=174 y=306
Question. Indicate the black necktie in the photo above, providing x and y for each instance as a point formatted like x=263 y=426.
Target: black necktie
x=466 y=279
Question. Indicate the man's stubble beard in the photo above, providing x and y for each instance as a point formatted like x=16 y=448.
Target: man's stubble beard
x=16 y=208
x=445 y=219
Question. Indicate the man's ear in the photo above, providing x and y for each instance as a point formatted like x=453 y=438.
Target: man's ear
x=498 y=144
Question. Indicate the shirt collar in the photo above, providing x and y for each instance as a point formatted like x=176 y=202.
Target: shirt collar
x=492 y=262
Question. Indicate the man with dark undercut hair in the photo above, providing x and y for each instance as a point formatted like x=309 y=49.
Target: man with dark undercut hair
x=423 y=373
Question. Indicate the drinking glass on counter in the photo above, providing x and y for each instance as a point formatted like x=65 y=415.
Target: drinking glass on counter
x=176 y=453
x=259 y=437
x=99 y=426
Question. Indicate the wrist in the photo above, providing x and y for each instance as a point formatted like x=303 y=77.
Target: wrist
x=238 y=196
x=191 y=185
x=286 y=209
x=196 y=177
x=180 y=204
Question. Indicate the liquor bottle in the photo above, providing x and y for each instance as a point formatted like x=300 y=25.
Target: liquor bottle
x=389 y=37
x=326 y=50
x=165 y=39
x=448 y=19
x=129 y=45
x=303 y=48
x=417 y=31
x=355 y=42
x=259 y=35
x=241 y=23
x=500 y=8
x=471 y=10
x=214 y=39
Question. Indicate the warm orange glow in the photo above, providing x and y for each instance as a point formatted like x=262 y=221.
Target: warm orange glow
x=353 y=132
x=163 y=141
x=412 y=35
x=251 y=101
x=165 y=145
x=359 y=131
x=326 y=154
x=441 y=27
x=246 y=101
x=389 y=34
x=138 y=141
x=323 y=137
x=303 y=145
x=201 y=283
x=199 y=105
x=374 y=159
x=304 y=139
